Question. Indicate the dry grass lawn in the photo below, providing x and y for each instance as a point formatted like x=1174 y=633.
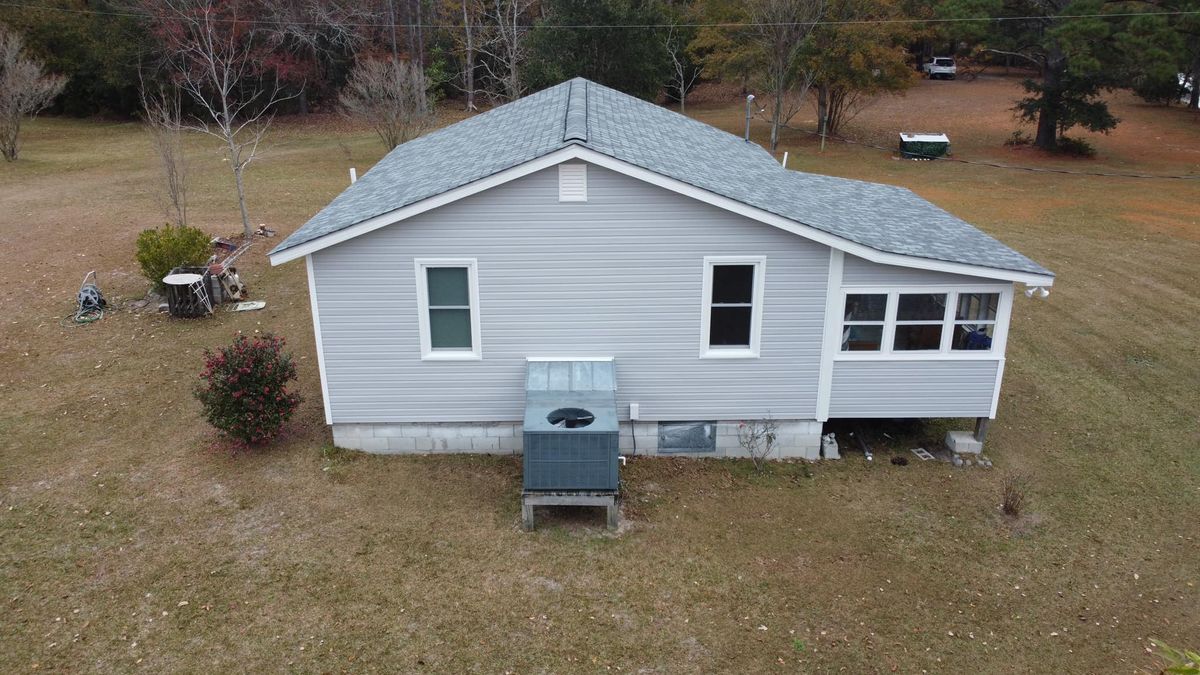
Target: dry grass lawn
x=129 y=540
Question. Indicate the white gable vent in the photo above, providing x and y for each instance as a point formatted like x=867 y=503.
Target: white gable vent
x=572 y=182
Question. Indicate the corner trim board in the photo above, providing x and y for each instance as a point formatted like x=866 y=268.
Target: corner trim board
x=316 y=319
x=833 y=327
x=996 y=389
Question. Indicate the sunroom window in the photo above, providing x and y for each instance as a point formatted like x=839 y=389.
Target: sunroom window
x=975 y=321
x=918 y=324
x=919 y=321
x=862 y=329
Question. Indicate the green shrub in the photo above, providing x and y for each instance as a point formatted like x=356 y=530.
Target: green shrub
x=244 y=388
x=1178 y=661
x=159 y=250
x=1075 y=147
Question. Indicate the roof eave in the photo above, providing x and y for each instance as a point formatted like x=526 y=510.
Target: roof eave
x=576 y=150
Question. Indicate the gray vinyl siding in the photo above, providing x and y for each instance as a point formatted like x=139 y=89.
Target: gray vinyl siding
x=859 y=272
x=619 y=275
x=912 y=388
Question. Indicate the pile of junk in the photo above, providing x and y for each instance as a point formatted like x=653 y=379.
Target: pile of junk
x=194 y=291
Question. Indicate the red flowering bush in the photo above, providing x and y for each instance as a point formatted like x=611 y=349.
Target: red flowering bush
x=244 y=388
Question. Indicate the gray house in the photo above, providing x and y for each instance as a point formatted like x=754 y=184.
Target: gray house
x=581 y=224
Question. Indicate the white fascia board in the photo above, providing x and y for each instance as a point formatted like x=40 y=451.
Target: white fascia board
x=677 y=186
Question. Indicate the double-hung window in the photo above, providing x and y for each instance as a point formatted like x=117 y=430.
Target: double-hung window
x=733 y=298
x=930 y=322
x=448 y=302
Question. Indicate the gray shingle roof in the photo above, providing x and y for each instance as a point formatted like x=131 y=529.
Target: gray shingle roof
x=883 y=217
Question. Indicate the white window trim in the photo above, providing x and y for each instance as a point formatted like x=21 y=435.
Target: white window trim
x=943 y=353
x=427 y=351
x=756 y=310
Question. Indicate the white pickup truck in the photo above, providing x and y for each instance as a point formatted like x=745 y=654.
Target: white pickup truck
x=940 y=67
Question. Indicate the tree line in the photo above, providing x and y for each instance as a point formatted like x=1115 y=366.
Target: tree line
x=489 y=51
x=226 y=67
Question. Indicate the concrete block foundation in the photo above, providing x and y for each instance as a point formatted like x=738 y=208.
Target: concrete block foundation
x=796 y=439
x=963 y=442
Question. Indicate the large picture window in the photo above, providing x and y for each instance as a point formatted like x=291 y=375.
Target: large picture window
x=733 y=289
x=903 y=322
x=447 y=295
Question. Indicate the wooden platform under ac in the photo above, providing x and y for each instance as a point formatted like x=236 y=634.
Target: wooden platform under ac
x=531 y=499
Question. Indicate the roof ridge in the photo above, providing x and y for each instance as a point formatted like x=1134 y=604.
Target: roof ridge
x=575 y=122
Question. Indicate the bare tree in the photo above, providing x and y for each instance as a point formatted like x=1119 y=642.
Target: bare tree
x=507 y=46
x=780 y=31
x=216 y=61
x=467 y=44
x=683 y=73
x=25 y=89
x=758 y=438
x=163 y=116
x=391 y=96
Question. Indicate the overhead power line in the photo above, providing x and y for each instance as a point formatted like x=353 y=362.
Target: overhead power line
x=731 y=24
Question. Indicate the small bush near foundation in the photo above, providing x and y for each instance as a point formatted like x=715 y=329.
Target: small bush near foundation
x=758 y=438
x=162 y=249
x=1013 y=495
x=244 y=388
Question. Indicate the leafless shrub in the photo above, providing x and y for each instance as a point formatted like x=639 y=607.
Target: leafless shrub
x=1012 y=496
x=391 y=96
x=25 y=89
x=758 y=438
x=162 y=114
